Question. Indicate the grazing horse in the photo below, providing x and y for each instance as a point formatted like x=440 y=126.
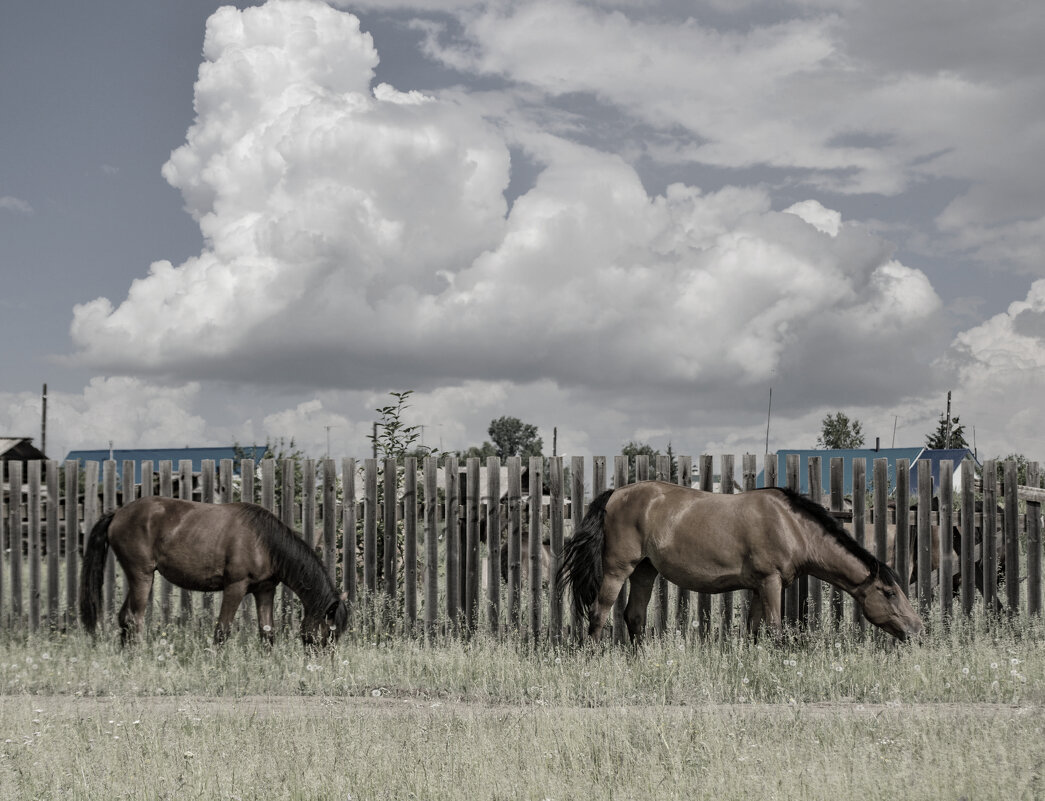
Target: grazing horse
x=710 y=542
x=237 y=548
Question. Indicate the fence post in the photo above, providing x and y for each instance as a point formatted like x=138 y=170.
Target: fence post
x=390 y=486
x=349 y=545
x=33 y=510
x=166 y=491
x=431 y=484
x=728 y=598
x=330 y=518
x=577 y=510
x=14 y=540
x=208 y=496
x=859 y=524
x=989 y=548
x=556 y=490
x=682 y=596
x=621 y=479
x=536 y=544
x=707 y=484
x=836 y=489
x=109 y=505
x=51 y=468
x=515 y=541
x=946 y=539
x=493 y=543
x=453 y=543
x=72 y=540
x=813 y=608
x=1011 y=538
x=409 y=543
x=1033 y=546
x=794 y=595
x=902 y=539
x=369 y=527
x=925 y=537
x=185 y=493
x=472 y=567
x=661 y=586
x=968 y=529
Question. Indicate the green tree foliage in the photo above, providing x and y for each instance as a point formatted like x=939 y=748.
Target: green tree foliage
x=392 y=438
x=942 y=438
x=838 y=431
x=512 y=437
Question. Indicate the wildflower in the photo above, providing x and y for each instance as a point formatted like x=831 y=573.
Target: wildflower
x=189 y=755
x=965 y=671
x=744 y=680
x=266 y=628
x=994 y=665
x=376 y=693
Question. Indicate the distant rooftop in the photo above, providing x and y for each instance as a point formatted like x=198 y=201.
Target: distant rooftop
x=157 y=455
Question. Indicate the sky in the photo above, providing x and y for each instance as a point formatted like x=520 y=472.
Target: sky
x=620 y=221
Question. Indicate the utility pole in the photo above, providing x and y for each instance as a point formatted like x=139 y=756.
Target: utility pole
x=43 y=424
x=947 y=428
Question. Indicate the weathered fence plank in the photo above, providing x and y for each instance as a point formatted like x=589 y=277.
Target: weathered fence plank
x=72 y=540
x=14 y=533
x=52 y=504
x=493 y=544
x=409 y=542
x=1010 y=538
x=536 y=545
x=925 y=537
x=431 y=525
x=472 y=567
x=556 y=510
x=349 y=542
x=1033 y=546
x=946 y=546
x=859 y=524
x=968 y=529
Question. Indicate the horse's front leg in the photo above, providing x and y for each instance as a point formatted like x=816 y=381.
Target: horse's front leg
x=769 y=603
x=264 y=600
x=231 y=598
x=608 y=592
x=755 y=615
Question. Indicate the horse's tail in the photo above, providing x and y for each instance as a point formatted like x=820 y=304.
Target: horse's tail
x=93 y=571
x=582 y=558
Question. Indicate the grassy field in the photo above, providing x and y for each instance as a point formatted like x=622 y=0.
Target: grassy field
x=832 y=716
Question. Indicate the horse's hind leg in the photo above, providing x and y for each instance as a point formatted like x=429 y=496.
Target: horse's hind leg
x=132 y=613
x=231 y=598
x=641 y=589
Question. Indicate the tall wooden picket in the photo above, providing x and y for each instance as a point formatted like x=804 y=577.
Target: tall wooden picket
x=859 y=524
x=72 y=540
x=924 y=537
x=34 y=507
x=1033 y=545
x=946 y=561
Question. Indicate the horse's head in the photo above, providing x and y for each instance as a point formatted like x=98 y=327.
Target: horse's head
x=316 y=632
x=885 y=604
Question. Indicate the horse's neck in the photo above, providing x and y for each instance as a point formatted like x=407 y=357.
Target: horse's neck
x=828 y=559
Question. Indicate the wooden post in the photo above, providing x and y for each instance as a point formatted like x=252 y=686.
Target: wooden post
x=859 y=524
x=431 y=524
x=72 y=541
x=968 y=529
x=370 y=526
x=946 y=544
x=453 y=542
x=185 y=493
x=15 y=540
x=837 y=492
x=813 y=610
x=620 y=479
x=556 y=488
x=902 y=540
x=389 y=527
x=225 y=470
x=1033 y=546
x=536 y=541
x=925 y=537
x=1011 y=539
x=109 y=505
x=989 y=549
x=514 y=541
x=53 y=540
x=472 y=564
x=493 y=543
x=728 y=598
x=682 y=596
x=247 y=468
x=349 y=544
x=166 y=471
x=707 y=484
x=577 y=510
x=794 y=597
x=207 y=495
x=330 y=518
x=410 y=543
x=33 y=511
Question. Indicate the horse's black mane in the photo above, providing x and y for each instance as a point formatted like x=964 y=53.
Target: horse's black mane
x=295 y=562
x=830 y=525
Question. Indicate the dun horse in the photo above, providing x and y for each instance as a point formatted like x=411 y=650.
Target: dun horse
x=759 y=540
x=236 y=548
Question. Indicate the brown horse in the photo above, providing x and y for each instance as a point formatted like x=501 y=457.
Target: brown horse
x=709 y=542
x=237 y=548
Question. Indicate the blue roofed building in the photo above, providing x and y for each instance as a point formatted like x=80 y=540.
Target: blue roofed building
x=914 y=456
x=157 y=455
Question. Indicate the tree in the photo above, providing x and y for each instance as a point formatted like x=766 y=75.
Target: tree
x=633 y=449
x=512 y=437
x=947 y=436
x=837 y=431
x=392 y=438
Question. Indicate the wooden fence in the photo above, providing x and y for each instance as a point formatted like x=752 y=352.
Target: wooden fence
x=434 y=555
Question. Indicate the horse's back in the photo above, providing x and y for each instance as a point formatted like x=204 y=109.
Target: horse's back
x=702 y=540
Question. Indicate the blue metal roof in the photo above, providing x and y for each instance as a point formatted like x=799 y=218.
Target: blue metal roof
x=157 y=455
x=891 y=455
